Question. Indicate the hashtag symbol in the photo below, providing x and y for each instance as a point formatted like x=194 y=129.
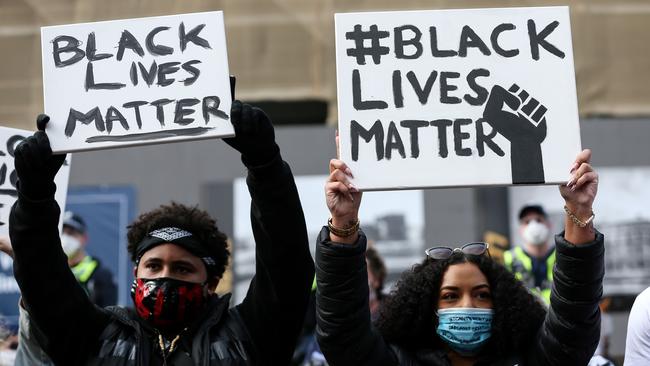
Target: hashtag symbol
x=360 y=51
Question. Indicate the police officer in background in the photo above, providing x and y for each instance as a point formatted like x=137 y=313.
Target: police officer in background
x=96 y=280
x=532 y=263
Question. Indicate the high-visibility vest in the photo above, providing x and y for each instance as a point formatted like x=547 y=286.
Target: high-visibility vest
x=84 y=270
x=520 y=264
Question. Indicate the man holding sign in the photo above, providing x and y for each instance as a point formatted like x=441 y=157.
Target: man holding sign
x=179 y=256
x=114 y=84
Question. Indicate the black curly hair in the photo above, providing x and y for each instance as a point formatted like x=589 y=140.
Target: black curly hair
x=191 y=218
x=407 y=318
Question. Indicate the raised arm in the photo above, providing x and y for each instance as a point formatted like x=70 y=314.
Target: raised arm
x=51 y=294
x=571 y=330
x=275 y=305
x=344 y=329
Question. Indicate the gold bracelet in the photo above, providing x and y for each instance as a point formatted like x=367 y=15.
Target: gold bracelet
x=576 y=220
x=343 y=233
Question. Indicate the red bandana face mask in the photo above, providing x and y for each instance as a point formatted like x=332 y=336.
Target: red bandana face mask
x=167 y=303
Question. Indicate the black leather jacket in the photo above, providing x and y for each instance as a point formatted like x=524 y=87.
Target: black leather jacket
x=220 y=338
x=568 y=336
x=262 y=330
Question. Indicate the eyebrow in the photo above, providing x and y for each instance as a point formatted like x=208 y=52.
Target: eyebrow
x=176 y=262
x=184 y=262
x=456 y=288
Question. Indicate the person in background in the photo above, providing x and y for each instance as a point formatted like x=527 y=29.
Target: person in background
x=601 y=356
x=376 y=277
x=606 y=328
x=533 y=262
x=96 y=280
x=637 y=342
x=8 y=343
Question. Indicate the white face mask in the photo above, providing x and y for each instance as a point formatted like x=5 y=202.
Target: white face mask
x=70 y=245
x=535 y=233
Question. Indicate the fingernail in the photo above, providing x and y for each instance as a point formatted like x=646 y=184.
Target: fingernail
x=349 y=172
x=571 y=181
x=573 y=167
x=573 y=188
x=353 y=188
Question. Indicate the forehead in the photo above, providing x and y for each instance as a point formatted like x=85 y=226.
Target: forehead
x=70 y=230
x=463 y=275
x=533 y=216
x=169 y=252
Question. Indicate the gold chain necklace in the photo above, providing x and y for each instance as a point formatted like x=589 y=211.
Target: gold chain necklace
x=172 y=346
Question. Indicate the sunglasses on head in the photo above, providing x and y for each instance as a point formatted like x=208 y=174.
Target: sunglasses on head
x=477 y=248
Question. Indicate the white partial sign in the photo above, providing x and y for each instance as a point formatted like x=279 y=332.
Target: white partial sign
x=136 y=81
x=9 y=140
x=457 y=97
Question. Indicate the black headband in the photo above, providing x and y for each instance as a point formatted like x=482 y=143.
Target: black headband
x=180 y=237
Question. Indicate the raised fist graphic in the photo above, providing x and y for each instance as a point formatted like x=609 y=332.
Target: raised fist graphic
x=525 y=129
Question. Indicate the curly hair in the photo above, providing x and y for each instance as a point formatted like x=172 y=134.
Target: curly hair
x=408 y=319
x=191 y=218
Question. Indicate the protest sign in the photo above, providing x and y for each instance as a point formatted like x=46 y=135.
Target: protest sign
x=9 y=140
x=136 y=81
x=457 y=97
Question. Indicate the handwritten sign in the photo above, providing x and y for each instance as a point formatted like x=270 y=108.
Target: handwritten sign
x=136 y=81
x=457 y=97
x=10 y=138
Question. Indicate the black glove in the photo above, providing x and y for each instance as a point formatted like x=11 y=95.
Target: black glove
x=35 y=164
x=254 y=135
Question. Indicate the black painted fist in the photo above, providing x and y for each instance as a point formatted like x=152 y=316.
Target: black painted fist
x=525 y=129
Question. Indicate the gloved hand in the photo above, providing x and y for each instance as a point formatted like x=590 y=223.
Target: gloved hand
x=35 y=164
x=255 y=137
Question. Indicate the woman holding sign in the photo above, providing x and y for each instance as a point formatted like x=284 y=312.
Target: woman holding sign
x=459 y=307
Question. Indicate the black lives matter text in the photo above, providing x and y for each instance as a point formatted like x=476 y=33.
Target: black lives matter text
x=68 y=51
x=402 y=138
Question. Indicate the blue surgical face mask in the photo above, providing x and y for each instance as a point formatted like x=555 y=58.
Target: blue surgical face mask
x=465 y=330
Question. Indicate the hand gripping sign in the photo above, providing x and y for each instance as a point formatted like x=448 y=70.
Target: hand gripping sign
x=457 y=97
x=136 y=81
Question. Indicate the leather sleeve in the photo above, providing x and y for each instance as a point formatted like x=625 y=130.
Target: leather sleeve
x=57 y=304
x=275 y=305
x=571 y=330
x=344 y=330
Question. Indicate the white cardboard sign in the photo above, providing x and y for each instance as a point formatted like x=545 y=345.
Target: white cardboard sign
x=136 y=81
x=457 y=97
x=9 y=140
